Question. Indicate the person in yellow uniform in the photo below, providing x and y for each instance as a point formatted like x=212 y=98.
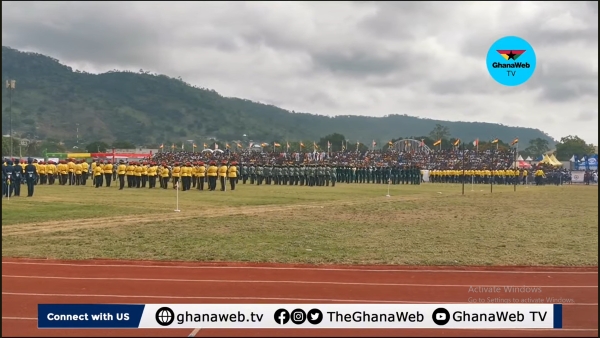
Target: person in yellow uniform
x=194 y=174
x=201 y=170
x=108 y=170
x=85 y=169
x=152 y=172
x=63 y=172
x=98 y=175
x=164 y=176
x=129 y=172
x=42 y=172
x=232 y=174
x=137 y=173
x=78 y=171
x=223 y=175
x=539 y=176
x=212 y=175
x=176 y=174
x=51 y=172
x=121 y=171
x=524 y=175
x=71 y=170
x=186 y=176
x=144 y=174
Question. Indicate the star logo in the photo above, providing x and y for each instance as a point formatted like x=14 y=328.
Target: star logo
x=511 y=54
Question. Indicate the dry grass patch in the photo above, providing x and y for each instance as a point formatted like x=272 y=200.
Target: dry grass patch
x=428 y=224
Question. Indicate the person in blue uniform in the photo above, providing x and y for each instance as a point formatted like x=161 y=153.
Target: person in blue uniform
x=30 y=176
x=8 y=171
x=18 y=179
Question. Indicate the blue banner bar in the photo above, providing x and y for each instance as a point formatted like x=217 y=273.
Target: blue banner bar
x=89 y=316
x=558 y=316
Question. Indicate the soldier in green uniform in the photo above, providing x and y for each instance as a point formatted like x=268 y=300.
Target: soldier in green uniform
x=284 y=174
x=363 y=174
x=385 y=174
x=296 y=174
x=259 y=174
x=301 y=174
x=327 y=172
x=244 y=173
x=267 y=173
x=332 y=177
x=252 y=173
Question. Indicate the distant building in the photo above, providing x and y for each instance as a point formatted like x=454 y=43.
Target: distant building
x=595 y=149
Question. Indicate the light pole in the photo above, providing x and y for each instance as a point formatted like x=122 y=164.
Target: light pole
x=77 y=139
x=10 y=85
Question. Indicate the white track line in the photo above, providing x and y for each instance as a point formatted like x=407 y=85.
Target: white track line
x=273 y=299
x=300 y=268
x=241 y=281
x=197 y=330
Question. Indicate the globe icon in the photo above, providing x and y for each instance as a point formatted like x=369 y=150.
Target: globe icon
x=165 y=316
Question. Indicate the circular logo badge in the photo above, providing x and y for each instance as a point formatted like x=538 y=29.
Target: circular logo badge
x=511 y=61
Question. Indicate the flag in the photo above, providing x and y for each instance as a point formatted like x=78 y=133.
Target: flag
x=173 y=146
x=343 y=146
x=216 y=146
x=162 y=146
x=476 y=143
x=438 y=142
x=315 y=145
x=457 y=142
x=301 y=145
x=194 y=145
x=239 y=145
x=182 y=146
x=264 y=144
x=390 y=143
x=287 y=146
x=495 y=141
x=205 y=146
x=515 y=141
x=374 y=143
x=422 y=143
x=227 y=145
x=276 y=144
x=328 y=145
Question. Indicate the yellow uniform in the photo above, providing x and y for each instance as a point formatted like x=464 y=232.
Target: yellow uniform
x=186 y=177
x=152 y=173
x=98 y=175
x=121 y=171
x=232 y=175
x=212 y=173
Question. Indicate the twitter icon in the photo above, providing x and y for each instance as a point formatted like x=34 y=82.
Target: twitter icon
x=314 y=316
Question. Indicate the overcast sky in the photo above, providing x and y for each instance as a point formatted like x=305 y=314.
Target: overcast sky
x=339 y=58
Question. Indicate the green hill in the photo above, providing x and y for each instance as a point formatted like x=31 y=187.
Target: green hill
x=52 y=100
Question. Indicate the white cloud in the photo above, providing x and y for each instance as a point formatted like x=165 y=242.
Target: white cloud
x=333 y=58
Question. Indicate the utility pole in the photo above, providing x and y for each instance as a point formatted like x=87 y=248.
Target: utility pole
x=10 y=85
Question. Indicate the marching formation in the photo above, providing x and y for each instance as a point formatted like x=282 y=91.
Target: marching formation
x=214 y=174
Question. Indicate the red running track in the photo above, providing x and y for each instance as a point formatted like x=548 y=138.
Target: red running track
x=25 y=283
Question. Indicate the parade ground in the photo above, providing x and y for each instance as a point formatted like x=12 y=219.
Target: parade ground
x=280 y=244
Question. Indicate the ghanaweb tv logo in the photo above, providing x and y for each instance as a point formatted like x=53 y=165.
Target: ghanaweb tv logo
x=511 y=61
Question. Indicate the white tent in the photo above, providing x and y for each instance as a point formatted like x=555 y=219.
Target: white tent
x=528 y=158
x=218 y=151
x=207 y=151
x=520 y=158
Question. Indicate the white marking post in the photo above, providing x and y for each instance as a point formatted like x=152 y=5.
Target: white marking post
x=389 y=183
x=177 y=196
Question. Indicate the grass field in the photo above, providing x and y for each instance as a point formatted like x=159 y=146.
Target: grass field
x=351 y=224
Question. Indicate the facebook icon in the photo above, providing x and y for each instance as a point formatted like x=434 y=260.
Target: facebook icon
x=282 y=316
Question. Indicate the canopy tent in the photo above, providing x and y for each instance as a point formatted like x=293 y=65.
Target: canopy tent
x=528 y=158
x=520 y=158
x=548 y=161
x=207 y=150
x=523 y=165
x=555 y=160
x=218 y=151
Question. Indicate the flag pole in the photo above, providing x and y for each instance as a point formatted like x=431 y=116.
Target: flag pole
x=493 y=172
x=516 y=165
x=463 y=169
